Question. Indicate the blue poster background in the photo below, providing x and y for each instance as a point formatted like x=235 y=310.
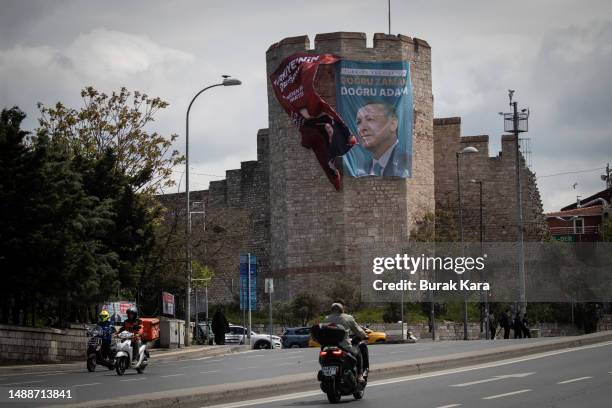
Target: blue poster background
x=378 y=91
x=244 y=282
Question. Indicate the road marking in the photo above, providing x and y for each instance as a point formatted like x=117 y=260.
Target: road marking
x=505 y=395
x=494 y=378
x=291 y=357
x=412 y=378
x=285 y=364
x=449 y=406
x=256 y=355
x=399 y=352
x=171 y=375
x=135 y=379
x=48 y=374
x=19 y=383
x=86 y=385
x=574 y=380
x=207 y=372
x=246 y=368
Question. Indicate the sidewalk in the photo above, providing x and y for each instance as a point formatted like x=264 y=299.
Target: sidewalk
x=156 y=355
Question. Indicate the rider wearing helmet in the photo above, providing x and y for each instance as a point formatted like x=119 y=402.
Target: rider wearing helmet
x=134 y=325
x=108 y=329
x=347 y=321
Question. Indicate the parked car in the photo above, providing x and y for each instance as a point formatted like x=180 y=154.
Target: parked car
x=296 y=337
x=238 y=335
x=374 y=337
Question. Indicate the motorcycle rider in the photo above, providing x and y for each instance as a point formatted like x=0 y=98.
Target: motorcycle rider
x=107 y=329
x=134 y=325
x=349 y=324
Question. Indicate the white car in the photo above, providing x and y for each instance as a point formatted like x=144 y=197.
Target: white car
x=237 y=335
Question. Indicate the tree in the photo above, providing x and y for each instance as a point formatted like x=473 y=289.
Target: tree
x=305 y=306
x=117 y=122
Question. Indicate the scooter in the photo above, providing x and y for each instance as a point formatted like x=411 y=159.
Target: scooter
x=339 y=368
x=124 y=354
x=96 y=354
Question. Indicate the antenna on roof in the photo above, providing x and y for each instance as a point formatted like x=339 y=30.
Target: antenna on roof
x=389 y=9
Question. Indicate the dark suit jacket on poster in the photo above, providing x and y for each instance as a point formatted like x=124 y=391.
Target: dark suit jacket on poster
x=398 y=164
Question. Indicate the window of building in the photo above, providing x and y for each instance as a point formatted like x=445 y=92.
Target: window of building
x=578 y=226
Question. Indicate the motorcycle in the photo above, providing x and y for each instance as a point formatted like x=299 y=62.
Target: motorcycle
x=339 y=368
x=96 y=352
x=124 y=354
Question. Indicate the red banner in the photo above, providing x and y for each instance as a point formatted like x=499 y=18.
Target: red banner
x=322 y=129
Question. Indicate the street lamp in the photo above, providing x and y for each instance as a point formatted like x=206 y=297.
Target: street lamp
x=482 y=272
x=227 y=81
x=465 y=150
x=517 y=122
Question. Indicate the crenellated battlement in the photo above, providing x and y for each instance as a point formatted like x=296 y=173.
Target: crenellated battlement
x=354 y=40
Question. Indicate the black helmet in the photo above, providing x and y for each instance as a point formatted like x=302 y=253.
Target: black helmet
x=132 y=311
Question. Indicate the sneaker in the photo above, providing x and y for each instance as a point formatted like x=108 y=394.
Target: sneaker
x=360 y=379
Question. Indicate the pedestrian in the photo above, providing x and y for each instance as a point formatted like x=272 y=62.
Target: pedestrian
x=517 y=326
x=526 y=331
x=492 y=325
x=504 y=322
x=219 y=326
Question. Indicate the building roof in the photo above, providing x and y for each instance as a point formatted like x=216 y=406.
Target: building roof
x=593 y=211
x=605 y=194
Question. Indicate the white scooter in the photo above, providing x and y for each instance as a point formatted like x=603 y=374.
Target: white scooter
x=123 y=358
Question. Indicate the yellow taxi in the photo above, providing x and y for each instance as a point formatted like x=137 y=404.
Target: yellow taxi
x=374 y=337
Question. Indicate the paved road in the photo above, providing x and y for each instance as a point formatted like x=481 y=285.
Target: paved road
x=579 y=377
x=162 y=376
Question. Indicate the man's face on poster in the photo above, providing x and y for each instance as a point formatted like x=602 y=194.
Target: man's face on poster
x=376 y=126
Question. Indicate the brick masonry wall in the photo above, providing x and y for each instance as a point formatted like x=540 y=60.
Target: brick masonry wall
x=317 y=232
x=499 y=188
x=21 y=344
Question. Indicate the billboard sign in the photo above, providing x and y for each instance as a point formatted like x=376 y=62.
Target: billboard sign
x=168 y=304
x=322 y=129
x=118 y=310
x=375 y=100
x=244 y=282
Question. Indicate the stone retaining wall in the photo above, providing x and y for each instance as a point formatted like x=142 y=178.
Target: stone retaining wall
x=23 y=344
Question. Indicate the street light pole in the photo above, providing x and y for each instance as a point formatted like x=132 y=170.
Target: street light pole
x=226 y=82
x=466 y=150
x=484 y=297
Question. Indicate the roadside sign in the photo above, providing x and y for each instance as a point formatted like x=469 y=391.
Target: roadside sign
x=269 y=285
x=167 y=303
x=244 y=282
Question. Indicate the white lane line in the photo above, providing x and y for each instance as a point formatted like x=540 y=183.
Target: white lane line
x=134 y=379
x=449 y=406
x=398 y=352
x=171 y=375
x=284 y=364
x=256 y=355
x=574 y=380
x=507 y=394
x=19 y=383
x=48 y=374
x=246 y=368
x=86 y=385
x=494 y=378
x=414 y=377
x=208 y=372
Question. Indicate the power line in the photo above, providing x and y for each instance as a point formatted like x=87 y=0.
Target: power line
x=571 y=172
x=199 y=174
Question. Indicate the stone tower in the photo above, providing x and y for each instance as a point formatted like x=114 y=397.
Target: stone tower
x=314 y=230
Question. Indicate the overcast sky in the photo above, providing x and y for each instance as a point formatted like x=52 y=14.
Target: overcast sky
x=557 y=55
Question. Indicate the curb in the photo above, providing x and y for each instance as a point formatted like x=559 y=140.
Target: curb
x=227 y=393
x=156 y=355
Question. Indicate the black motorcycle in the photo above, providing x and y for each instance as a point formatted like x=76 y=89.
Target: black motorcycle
x=97 y=352
x=339 y=367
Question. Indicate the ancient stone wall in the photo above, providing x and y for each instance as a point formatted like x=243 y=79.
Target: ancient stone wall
x=498 y=175
x=316 y=232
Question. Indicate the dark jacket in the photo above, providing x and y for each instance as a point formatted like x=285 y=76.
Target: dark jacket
x=219 y=324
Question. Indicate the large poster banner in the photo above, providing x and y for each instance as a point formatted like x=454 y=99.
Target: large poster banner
x=118 y=310
x=322 y=129
x=375 y=100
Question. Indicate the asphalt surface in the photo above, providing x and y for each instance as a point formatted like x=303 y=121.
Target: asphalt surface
x=165 y=376
x=580 y=377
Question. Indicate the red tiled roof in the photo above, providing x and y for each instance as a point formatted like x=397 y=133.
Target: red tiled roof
x=583 y=212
